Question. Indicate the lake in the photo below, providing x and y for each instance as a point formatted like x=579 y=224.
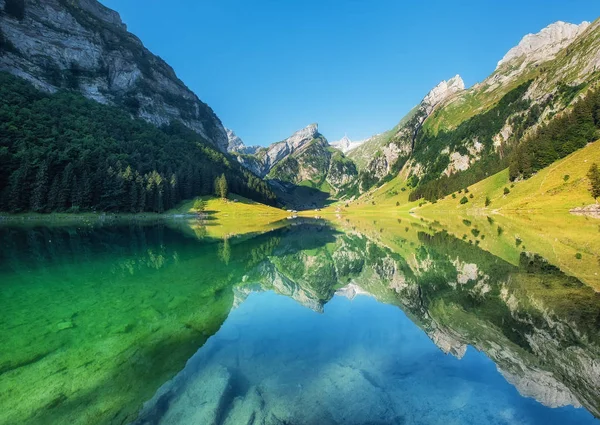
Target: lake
x=373 y=321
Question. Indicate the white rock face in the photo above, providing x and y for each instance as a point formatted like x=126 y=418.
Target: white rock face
x=346 y=145
x=234 y=142
x=545 y=44
x=87 y=40
x=441 y=92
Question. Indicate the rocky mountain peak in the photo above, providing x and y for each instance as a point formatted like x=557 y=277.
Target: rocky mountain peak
x=545 y=44
x=444 y=90
x=300 y=137
x=234 y=142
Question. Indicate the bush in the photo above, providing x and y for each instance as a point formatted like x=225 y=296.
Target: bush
x=199 y=205
x=487 y=201
x=578 y=256
x=454 y=196
x=506 y=190
x=471 y=196
x=464 y=200
x=397 y=203
x=566 y=177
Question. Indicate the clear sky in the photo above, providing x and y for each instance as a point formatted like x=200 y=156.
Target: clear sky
x=270 y=67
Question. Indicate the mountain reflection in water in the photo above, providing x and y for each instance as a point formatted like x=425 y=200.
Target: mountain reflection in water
x=298 y=325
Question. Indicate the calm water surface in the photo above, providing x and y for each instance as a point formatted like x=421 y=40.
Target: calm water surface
x=312 y=323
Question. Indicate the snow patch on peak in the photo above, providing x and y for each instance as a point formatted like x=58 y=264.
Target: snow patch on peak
x=545 y=44
x=346 y=145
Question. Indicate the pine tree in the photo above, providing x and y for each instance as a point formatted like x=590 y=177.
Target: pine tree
x=221 y=187
x=594 y=176
x=40 y=188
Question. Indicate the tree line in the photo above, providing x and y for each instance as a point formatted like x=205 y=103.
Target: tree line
x=63 y=152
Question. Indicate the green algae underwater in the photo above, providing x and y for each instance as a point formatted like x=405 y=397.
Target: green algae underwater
x=96 y=321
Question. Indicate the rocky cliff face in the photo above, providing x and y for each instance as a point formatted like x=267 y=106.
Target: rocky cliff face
x=82 y=45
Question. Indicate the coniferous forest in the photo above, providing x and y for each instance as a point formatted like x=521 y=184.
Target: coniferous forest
x=63 y=152
x=557 y=139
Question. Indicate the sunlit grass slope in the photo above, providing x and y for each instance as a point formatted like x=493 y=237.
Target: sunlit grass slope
x=559 y=187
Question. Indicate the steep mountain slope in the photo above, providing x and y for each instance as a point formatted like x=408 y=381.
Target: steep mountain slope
x=392 y=150
x=92 y=121
x=84 y=46
x=469 y=134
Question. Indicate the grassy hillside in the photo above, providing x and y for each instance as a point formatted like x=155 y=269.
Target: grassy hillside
x=559 y=187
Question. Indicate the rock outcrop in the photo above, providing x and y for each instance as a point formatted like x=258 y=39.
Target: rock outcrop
x=544 y=45
x=441 y=92
x=82 y=45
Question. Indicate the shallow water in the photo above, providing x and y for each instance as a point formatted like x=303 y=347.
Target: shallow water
x=308 y=324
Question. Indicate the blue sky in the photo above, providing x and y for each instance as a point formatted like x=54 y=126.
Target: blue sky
x=270 y=67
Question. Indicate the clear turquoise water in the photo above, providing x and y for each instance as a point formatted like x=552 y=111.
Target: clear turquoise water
x=303 y=325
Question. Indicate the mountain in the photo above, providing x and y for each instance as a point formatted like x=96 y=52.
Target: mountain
x=264 y=159
x=303 y=169
x=92 y=121
x=457 y=136
x=83 y=46
x=235 y=144
x=395 y=147
x=346 y=145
